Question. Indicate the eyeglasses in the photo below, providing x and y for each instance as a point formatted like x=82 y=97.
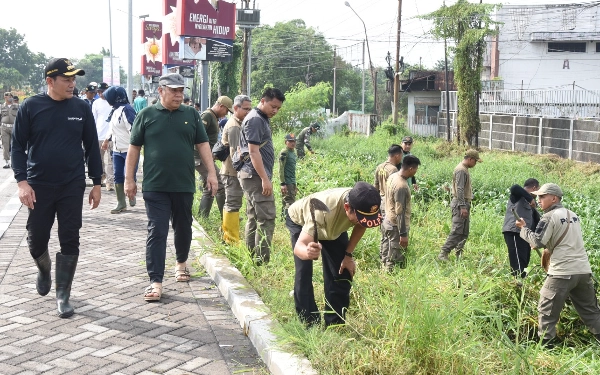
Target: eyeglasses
x=246 y=109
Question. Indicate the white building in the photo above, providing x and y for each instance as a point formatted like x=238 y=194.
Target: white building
x=546 y=47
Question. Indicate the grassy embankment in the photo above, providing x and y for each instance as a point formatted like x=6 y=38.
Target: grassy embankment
x=464 y=317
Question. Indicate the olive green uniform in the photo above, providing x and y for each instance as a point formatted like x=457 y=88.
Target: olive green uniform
x=287 y=176
x=462 y=194
x=397 y=221
x=211 y=125
x=302 y=140
x=8 y=116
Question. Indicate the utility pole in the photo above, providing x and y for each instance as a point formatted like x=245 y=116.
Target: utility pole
x=397 y=71
x=130 y=46
x=363 y=78
x=244 y=82
x=334 y=77
x=447 y=92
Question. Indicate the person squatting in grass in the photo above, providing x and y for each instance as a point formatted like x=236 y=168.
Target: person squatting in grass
x=396 y=223
x=462 y=194
x=566 y=263
x=287 y=173
x=256 y=173
x=303 y=139
x=356 y=208
x=519 y=251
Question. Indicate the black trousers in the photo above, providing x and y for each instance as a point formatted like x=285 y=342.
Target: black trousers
x=519 y=253
x=63 y=202
x=160 y=208
x=337 y=287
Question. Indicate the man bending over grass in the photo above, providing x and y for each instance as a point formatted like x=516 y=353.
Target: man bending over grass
x=356 y=208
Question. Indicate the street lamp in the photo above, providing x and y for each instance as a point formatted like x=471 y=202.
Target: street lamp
x=370 y=62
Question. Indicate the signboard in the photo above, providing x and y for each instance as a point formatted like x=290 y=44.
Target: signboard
x=116 y=77
x=150 y=68
x=152 y=43
x=170 y=39
x=200 y=18
x=208 y=49
x=186 y=71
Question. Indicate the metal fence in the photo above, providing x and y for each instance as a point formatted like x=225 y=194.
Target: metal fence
x=422 y=125
x=576 y=104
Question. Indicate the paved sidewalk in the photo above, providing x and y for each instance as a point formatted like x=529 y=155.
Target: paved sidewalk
x=114 y=331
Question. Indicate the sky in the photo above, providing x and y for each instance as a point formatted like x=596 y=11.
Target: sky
x=66 y=30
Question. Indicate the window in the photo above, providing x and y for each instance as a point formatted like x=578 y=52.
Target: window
x=567 y=47
x=597 y=47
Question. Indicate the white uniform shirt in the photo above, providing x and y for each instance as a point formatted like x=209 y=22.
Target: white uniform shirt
x=101 y=109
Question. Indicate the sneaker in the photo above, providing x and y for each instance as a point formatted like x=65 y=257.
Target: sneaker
x=443 y=256
x=6 y=165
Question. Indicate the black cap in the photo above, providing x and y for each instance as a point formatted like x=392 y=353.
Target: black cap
x=62 y=67
x=365 y=200
x=407 y=139
x=103 y=86
x=315 y=125
x=90 y=88
x=290 y=137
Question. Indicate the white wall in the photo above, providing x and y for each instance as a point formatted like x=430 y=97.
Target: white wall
x=528 y=64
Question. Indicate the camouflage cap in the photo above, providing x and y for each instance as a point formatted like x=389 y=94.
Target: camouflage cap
x=549 y=188
x=473 y=154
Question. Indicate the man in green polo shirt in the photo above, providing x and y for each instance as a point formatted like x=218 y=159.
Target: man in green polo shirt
x=169 y=133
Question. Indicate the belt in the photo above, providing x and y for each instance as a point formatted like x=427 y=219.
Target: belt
x=8 y=125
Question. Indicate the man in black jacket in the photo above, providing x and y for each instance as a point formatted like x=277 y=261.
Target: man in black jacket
x=519 y=250
x=49 y=166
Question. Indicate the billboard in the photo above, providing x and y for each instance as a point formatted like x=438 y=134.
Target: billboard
x=201 y=18
x=170 y=39
x=116 y=77
x=197 y=48
x=152 y=43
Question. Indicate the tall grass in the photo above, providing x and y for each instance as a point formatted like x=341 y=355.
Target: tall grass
x=464 y=317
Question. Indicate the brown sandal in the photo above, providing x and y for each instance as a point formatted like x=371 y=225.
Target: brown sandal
x=154 y=288
x=182 y=276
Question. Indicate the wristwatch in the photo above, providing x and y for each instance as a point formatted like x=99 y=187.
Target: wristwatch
x=349 y=255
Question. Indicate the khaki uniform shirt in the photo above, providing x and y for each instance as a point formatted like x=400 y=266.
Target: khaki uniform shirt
x=568 y=256
x=231 y=137
x=330 y=225
x=9 y=113
x=397 y=203
x=382 y=173
x=461 y=185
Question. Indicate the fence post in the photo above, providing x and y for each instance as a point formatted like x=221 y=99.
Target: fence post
x=490 y=137
x=514 y=134
x=539 y=147
x=571 y=139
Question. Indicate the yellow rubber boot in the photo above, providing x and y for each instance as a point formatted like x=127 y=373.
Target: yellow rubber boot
x=231 y=227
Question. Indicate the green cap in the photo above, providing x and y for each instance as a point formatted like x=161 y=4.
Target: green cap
x=549 y=188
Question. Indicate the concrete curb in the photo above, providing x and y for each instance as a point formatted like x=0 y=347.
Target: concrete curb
x=254 y=316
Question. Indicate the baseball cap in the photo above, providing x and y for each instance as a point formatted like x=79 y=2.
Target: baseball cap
x=62 y=67
x=365 y=200
x=8 y=94
x=407 y=139
x=290 y=137
x=103 y=86
x=172 y=80
x=90 y=88
x=227 y=102
x=315 y=126
x=549 y=188
x=473 y=154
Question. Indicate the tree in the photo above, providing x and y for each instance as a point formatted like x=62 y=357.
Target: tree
x=226 y=75
x=289 y=53
x=468 y=25
x=92 y=64
x=302 y=106
x=18 y=65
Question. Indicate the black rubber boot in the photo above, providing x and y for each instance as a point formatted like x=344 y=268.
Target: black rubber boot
x=44 y=280
x=205 y=205
x=220 y=202
x=65 y=270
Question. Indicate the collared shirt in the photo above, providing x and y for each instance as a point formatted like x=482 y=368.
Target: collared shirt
x=287 y=166
x=231 y=137
x=169 y=139
x=256 y=131
x=397 y=203
x=568 y=256
x=329 y=225
x=461 y=185
x=8 y=113
x=101 y=109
